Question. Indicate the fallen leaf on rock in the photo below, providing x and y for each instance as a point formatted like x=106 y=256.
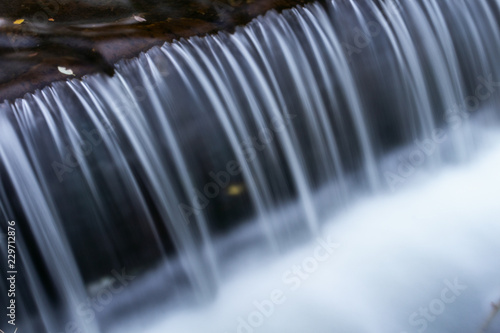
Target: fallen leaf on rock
x=139 y=19
x=19 y=21
x=65 y=70
x=51 y=19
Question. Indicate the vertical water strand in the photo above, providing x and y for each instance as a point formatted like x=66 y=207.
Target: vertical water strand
x=464 y=139
x=340 y=117
x=240 y=87
x=100 y=121
x=297 y=69
x=352 y=95
x=272 y=94
x=319 y=124
x=230 y=132
x=234 y=114
x=479 y=48
x=181 y=166
x=80 y=175
x=162 y=190
x=313 y=41
x=445 y=42
x=490 y=32
x=410 y=64
x=301 y=66
x=69 y=124
x=414 y=98
x=26 y=115
x=275 y=107
x=388 y=67
x=466 y=32
x=117 y=109
x=447 y=92
x=50 y=118
x=481 y=40
x=276 y=111
x=272 y=34
x=258 y=102
x=36 y=291
x=250 y=33
x=89 y=179
x=42 y=219
x=35 y=287
x=490 y=28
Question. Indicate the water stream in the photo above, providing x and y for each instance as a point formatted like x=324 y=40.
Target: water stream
x=174 y=194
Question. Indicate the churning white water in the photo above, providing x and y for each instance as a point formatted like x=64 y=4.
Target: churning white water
x=421 y=259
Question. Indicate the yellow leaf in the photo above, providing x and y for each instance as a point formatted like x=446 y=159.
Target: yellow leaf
x=236 y=189
x=51 y=19
x=19 y=21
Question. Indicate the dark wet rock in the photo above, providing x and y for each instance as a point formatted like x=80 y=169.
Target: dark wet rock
x=89 y=36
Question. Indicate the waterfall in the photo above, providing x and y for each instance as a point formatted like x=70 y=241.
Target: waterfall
x=206 y=149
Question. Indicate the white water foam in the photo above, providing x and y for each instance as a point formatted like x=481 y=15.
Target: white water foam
x=397 y=256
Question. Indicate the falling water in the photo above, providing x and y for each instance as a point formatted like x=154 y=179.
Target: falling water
x=213 y=151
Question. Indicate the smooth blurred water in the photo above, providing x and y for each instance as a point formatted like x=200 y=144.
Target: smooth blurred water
x=208 y=159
